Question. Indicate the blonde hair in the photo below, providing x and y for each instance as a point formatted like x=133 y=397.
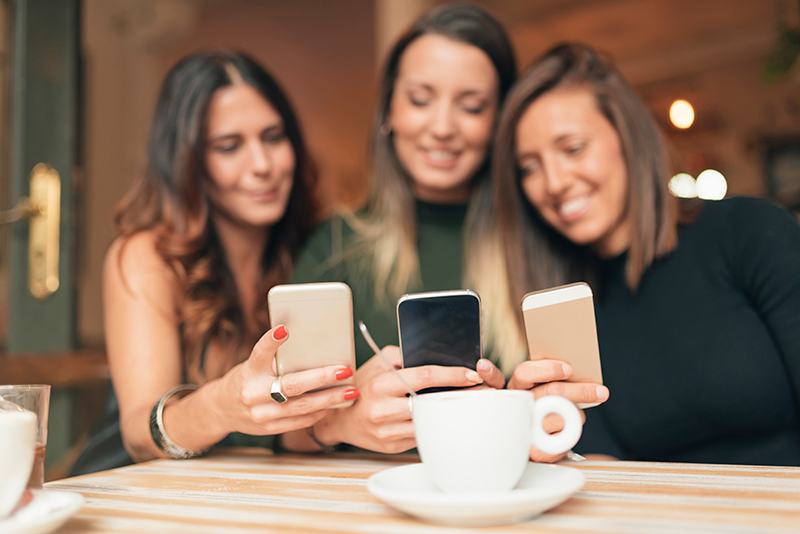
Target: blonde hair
x=386 y=238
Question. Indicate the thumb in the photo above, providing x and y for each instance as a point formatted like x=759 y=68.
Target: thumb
x=262 y=357
x=492 y=376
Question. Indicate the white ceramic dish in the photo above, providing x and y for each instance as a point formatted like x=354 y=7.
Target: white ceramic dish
x=409 y=489
x=45 y=513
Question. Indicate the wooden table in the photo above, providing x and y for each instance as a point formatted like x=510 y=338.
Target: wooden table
x=250 y=490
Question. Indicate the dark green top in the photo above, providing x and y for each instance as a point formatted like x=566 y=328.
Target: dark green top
x=440 y=244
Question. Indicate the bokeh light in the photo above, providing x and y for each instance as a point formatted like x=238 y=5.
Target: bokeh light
x=681 y=113
x=682 y=185
x=711 y=185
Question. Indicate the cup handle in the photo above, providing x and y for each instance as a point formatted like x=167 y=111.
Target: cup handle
x=573 y=426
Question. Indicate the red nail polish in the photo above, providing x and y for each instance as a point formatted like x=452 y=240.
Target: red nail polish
x=341 y=374
x=279 y=333
x=351 y=394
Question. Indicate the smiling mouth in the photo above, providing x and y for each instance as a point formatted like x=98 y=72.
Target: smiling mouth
x=572 y=209
x=265 y=195
x=441 y=158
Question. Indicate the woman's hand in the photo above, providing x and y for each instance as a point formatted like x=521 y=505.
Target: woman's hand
x=381 y=418
x=547 y=377
x=240 y=401
x=254 y=411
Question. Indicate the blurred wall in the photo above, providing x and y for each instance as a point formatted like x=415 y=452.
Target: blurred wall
x=710 y=52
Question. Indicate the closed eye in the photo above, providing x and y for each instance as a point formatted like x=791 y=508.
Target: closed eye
x=226 y=145
x=273 y=134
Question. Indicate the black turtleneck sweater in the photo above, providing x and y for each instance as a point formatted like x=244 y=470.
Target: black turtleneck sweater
x=703 y=360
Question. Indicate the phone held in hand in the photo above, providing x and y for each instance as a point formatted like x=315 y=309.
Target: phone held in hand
x=319 y=318
x=440 y=328
x=560 y=325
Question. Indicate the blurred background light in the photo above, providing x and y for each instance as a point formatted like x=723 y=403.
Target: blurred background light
x=682 y=185
x=681 y=113
x=711 y=185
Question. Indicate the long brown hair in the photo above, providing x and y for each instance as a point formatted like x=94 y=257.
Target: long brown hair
x=537 y=256
x=170 y=198
x=387 y=230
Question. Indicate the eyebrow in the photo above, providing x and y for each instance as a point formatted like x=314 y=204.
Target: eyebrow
x=224 y=137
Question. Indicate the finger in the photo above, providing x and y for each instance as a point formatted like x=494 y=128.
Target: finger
x=491 y=375
x=392 y=354
x=387 y=411
x=288 y=424
x=294 y=384
x=304 y=404
x=263 y=354
x=377 y=364
x=528 y=374
x=396 y=447
x=395 y=436
x=577 y=392
x=541 y=457
x=427 y=376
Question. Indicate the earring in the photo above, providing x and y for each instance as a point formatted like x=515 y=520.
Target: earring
x=385 y=129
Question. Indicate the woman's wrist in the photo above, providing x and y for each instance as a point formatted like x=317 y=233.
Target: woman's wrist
x=324 y=434
x=193 y=421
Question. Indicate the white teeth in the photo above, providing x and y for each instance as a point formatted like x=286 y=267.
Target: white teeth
x=573 y=206
x=440 y=154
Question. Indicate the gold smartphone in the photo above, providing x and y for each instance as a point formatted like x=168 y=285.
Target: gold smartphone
x=560 y=325
x=319 y=318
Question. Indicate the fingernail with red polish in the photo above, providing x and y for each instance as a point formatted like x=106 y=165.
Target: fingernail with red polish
x=351 y=394
x=341 y=374
x=279 y=333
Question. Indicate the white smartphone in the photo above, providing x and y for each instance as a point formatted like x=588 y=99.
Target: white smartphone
x=319 y=318
x=560 y=325
x=440 y=328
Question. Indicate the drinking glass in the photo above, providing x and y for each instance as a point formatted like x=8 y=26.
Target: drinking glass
x=34 y=398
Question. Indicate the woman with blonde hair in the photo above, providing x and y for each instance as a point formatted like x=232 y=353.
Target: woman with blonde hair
x=427 y=223
x=215 y=220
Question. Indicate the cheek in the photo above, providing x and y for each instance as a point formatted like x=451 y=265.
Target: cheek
x=406 y=120
x=223 y=171
x=284 y=159
x=477 y=131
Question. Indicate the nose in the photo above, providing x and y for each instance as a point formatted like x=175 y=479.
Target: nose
x=260 y=159
x=442 y=121
x=557 y=178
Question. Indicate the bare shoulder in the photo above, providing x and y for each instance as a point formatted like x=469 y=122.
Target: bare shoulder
x=133 y=262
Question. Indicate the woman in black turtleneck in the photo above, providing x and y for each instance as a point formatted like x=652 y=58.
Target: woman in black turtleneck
x=698 y=310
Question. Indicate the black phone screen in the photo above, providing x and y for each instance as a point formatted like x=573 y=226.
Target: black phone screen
x=440 y=330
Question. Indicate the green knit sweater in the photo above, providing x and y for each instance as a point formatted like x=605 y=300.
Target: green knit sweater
x=440 y=243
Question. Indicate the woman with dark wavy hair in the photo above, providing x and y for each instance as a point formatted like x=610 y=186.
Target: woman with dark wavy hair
x=215 y=220
x=698 y=307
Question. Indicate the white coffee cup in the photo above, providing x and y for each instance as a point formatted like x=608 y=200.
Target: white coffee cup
x=17 y=444
x=479 y=441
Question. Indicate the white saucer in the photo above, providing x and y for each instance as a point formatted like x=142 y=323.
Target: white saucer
x=542 y=487
x=46 y=512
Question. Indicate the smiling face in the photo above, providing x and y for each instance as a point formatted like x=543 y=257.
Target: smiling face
x=573 y=170
x=249 y=159
x=441 y=114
